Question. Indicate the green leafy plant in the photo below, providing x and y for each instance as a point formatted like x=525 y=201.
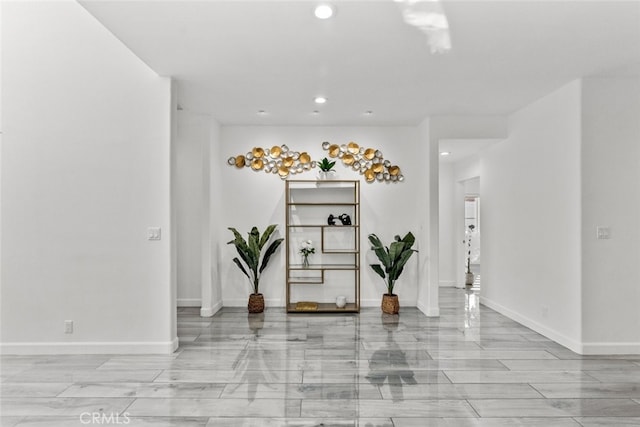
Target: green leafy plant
x=393 y=258
x=325 y=165
x=250 y=250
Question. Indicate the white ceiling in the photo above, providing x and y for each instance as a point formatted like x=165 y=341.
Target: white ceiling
x=233 y=58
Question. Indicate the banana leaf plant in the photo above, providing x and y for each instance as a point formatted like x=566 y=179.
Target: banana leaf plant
x=250 y=250
x=392 y=258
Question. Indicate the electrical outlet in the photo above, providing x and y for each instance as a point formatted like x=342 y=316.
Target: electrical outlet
x=68 y=326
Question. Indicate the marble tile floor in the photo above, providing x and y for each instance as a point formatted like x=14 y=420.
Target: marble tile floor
x=470 y=367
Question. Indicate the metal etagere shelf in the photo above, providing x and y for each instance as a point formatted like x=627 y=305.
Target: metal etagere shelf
x=335 y=267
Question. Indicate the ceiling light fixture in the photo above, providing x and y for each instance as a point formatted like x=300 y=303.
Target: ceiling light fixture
x=320 y=100
x=323 y=11
x=445 y=153
x=261 y=112
x=368 y=113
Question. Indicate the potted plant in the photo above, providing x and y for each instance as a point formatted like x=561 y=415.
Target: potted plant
x=326 y=168
x=249 y=251
x=468 y=278
x=392 y=259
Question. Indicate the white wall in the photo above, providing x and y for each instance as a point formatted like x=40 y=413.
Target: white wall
x=530 y=187
x=252 y=198
x=211 y=255
x=472 y=186
x=198 y=182
x=467 y=169
x=611 y=198
x=85 y=171
x=192 y=140
x=447 y=221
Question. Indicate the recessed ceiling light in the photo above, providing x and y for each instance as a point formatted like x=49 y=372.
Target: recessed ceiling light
x=368 y=113
x=445 y=153
x=261 y=112
x=315 y=112
x=320 y=100
x=323 y=11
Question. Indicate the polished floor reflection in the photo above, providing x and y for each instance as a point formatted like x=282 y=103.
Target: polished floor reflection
x=469 y=367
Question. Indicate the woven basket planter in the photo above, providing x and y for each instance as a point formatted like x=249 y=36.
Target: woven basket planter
x=390 y=304
x=256 y=303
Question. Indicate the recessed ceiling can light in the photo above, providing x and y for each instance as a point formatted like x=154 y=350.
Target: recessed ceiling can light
x=323 y=11
x=262 y=112
x=315 y=112
x=368 y=113
x=320 y=100
x=445 y=153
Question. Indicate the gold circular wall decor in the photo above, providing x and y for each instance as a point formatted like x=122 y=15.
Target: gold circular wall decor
x=394 y=170
x=283 y=171
x=258 y=152
x=275 y=151
x=279 y=160
x=257 y=164
x=369 y=153
x=304 y=158
x=369 y=175
x=369 y=162
x=348 y=159
x=353 y=147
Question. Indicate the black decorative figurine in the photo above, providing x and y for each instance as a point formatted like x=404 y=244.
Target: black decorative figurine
x=346 y=219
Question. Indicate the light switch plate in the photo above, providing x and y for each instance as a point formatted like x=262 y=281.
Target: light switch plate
x=154 y=233
x=603 y=233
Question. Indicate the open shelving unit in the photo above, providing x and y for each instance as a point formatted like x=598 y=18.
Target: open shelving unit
x=335 y=267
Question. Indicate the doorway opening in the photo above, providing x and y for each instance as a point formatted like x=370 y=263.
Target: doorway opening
x=472 y=240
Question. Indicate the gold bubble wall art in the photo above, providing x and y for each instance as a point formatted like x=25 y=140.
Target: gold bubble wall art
x=367 y=161
x=283 y=162
x=277 y=160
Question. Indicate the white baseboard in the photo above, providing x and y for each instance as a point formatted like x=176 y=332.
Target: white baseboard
x=210 y=311
x=447 y=283
x=600 y=348
x=46 y=348
x=189 y=302
x=554 y=335
x=373 y=302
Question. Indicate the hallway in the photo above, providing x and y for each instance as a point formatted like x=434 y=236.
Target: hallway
x=469 y=367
